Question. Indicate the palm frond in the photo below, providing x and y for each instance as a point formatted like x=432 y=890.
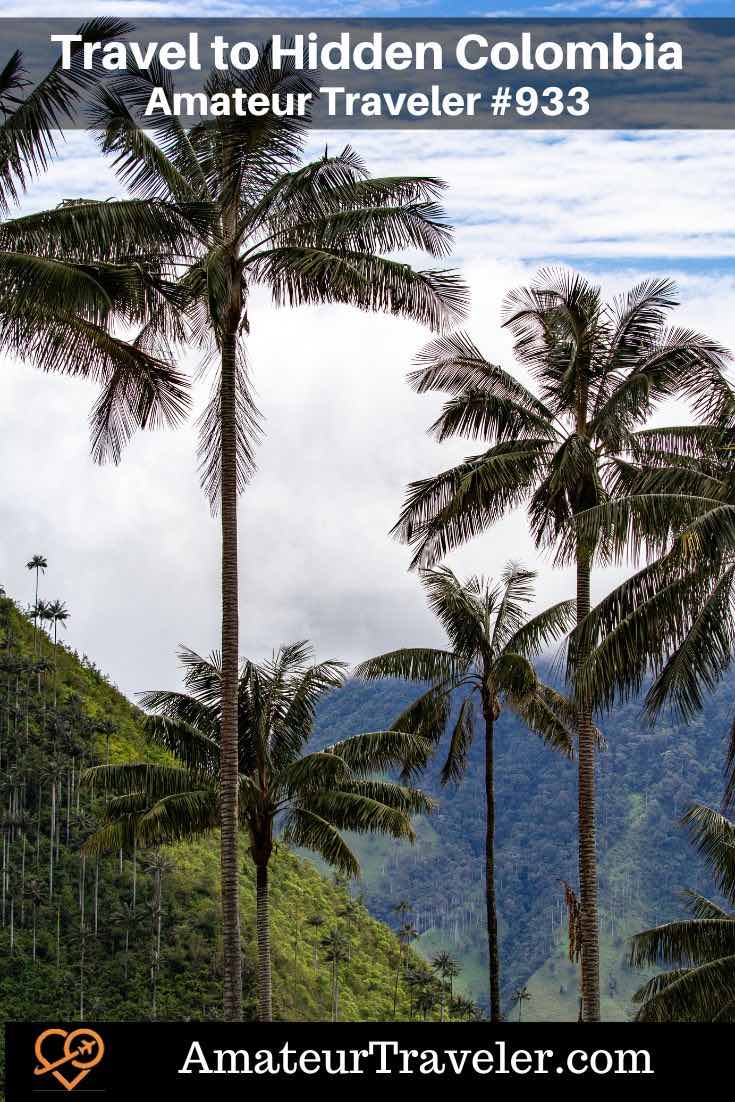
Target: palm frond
x=461 y=739
x=31 y=117
x=694 y=995
x=301 y=275
x=445 y=511
x=536 y=635
x=413 y=664
x=304 y=827
x=190 y=744
x=248 y=435
x=713 y=836
x=360 y=813
x=380 y=751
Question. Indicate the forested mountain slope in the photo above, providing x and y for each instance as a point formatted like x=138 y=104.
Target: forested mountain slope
x=94 y=954
x=646 y=778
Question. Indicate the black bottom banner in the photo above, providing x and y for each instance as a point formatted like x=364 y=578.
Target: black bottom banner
x=119 y=1060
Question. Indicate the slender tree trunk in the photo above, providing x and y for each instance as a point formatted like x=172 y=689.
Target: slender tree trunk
x=52 y=832
x=23 y=882
x=96 y=893
x=587 y=851
x=492 y=912
x=81 y=975
x=156 y=946
x=230 y=885
x=263 y=923
x=35 y=619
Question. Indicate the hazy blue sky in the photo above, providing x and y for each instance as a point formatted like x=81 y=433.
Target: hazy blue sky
x=133 y=550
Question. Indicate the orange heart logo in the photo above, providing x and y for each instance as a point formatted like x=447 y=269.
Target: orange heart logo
x=82 y=1050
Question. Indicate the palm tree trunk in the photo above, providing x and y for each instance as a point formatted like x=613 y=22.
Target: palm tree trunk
x=263 y=923
x=587 y=849
x=230 y=885
x=492 y=912
x=81 y=975
x=35 y=620
x=56 y=661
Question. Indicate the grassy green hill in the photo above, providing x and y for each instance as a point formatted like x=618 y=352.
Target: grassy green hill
x=78 y=905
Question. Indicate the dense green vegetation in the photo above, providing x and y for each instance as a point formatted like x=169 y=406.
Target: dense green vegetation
x=85 y=918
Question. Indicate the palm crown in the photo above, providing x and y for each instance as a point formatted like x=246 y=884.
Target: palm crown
x=491 y=643
x=311 y=796
x=600 y=370
x=223 y=207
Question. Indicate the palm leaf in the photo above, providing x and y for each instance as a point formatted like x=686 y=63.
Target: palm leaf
x=304 y=827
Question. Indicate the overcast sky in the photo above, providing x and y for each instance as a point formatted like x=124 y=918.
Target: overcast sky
x=133 y=549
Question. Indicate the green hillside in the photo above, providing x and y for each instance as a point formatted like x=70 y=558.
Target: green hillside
x=58 y=715
x=645 y=780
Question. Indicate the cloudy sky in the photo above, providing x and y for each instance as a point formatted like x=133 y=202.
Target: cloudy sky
x=133 y=550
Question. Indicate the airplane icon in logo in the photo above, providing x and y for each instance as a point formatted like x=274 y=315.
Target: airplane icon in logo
x=85 y=1047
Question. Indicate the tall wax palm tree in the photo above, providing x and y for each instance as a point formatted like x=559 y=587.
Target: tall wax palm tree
x=127 y=918
x=309 y=797
x=34 y=893
x=407 y=933
x=316 y=922
x=600 y=370
x=446 y=968
x=309 y=233
x=39 y=564
x=699 y=952
x=491 y=642
x=520 y=996
x=336 y=946
x=58 y=613
x=157 y=865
